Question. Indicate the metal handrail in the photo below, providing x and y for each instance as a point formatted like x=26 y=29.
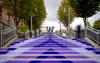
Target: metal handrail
x=93 y=34
x=3 y=22
x=93 y=30
x=6 y=32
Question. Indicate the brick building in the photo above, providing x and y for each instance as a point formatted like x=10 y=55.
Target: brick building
x=5 y=20
x=7 y=29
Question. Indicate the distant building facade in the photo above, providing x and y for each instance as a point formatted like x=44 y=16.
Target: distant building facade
x=5 y=20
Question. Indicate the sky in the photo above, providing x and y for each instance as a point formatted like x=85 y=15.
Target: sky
x=51 y=20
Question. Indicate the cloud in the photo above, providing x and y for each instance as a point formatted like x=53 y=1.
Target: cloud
x=51 y=8
x=55 y=24
x=77 y=21
x=51 y=20
x=94 y=18
x=91 y=20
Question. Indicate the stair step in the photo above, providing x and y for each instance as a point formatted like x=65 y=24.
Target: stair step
x=49 y=49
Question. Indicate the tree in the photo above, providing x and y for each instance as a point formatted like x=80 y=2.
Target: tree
x=36 y=9
x=24 y=9
x=40 y=15
x=88 y=24
x=85 y=8
x=63 y=12
x=96 y=24
x=22 y=28
x=13 y=8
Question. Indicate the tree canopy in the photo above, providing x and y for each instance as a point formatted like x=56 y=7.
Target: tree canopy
x=24 y=9
x=85 y=9
x=96 y=24
x=63 y=12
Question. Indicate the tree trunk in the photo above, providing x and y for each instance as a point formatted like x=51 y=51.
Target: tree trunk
x=85 y=25
x=16 y=22
x=30 y=31
x=35 y=33
x=39 y=30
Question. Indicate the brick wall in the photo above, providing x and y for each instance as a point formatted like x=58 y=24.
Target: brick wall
x=5 y=19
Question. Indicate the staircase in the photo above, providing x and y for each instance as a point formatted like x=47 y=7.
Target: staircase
x=50 y=48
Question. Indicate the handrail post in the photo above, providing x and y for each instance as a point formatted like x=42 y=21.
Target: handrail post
x=98 y=39
x=15 y=30
x=1 y=39
x=96 y=36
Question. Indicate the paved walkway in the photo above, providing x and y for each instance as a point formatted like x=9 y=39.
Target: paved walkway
x=50 y=48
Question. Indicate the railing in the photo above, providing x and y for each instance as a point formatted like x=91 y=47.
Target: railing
x=74 y=33
x=27 y=34
x=6 y=35
x=94 y=35
x=6 y=32
x=3 y=24
x=24 y=34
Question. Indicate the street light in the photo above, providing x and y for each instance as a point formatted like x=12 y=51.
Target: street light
x=31 y=28
x=69 y=17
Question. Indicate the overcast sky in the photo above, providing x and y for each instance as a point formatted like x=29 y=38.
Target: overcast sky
x=51 y=8
x=51 y=20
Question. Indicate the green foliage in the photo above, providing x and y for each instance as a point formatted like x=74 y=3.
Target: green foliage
x=13 y=8
x=97 y=24
x=84 y=8
x=68 y=31
x=40 y=14
x=24 y=9
x=63 y=12
x=88 y=24
x=22 y=27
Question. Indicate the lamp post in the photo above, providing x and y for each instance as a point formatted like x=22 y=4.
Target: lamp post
x=31 y=27
x=69 y=21
x=69 y=17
